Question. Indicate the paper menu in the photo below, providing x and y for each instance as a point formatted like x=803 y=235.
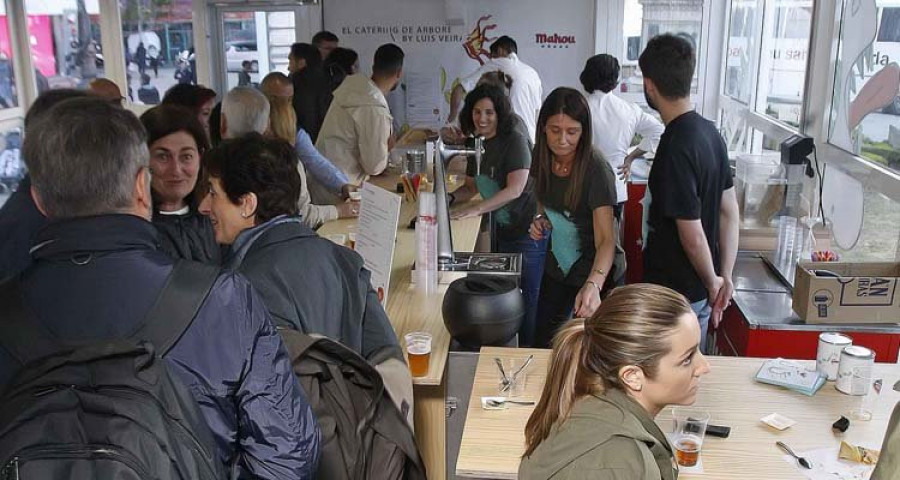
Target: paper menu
x=377 y=234
x=789 y=374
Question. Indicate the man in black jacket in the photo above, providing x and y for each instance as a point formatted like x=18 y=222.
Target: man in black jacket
x=97 y=272
x=312 y=88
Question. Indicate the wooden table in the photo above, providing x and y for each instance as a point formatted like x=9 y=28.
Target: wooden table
x=493 y=440
x=410 y=312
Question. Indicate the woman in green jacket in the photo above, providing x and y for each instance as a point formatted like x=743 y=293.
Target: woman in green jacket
x=610 y=375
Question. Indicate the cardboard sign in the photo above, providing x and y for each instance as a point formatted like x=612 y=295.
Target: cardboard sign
x=377 y=235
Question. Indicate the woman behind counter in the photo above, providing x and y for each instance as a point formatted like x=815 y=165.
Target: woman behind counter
x=576 y=192
x=609 y=376
x=176 y=141
x=505 y=187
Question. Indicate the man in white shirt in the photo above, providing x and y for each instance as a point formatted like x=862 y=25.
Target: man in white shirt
x=615 y=121
x=525 y=93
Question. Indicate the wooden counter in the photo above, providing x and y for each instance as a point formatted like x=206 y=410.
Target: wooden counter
x=410 y=312
x=493 y=440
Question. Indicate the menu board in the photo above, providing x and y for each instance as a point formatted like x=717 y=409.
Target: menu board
x=377 y=235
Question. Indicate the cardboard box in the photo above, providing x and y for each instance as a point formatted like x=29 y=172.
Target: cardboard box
x=863 y=293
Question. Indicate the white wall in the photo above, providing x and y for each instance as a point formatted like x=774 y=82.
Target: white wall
x=435 y=59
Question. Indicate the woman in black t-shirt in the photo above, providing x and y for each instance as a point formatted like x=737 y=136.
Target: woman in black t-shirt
x=505 y=187
x=576 y=193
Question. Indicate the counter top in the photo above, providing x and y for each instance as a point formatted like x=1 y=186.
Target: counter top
x=408 y=310
x=494 y=440
x=766 y=302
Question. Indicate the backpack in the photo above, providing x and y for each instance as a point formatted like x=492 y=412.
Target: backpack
x=105 y=409
x=364 y=435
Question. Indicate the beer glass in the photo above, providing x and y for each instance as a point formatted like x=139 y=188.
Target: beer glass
x=690 y=428
x=418 y=351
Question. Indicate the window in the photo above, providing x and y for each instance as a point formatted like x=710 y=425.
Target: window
x=12 y=165
x=743 y=50
x=65 y=42
x=880 y=234
x=159 y=47
x=8 y=94
x=865 y=116
x=644 y=20
x=782 y=70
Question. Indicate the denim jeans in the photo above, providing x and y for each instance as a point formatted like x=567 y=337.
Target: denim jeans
x=703 y=311
x=533 y=255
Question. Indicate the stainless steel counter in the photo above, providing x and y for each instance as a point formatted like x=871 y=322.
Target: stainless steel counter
x=766 y=302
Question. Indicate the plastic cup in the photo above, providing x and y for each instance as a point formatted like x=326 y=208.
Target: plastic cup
x=513 y=383
x=865 y=384
x=418 y=351
x=690 y=429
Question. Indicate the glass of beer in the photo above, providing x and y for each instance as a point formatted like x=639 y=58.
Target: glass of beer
x=418 y=351
x=690 y=428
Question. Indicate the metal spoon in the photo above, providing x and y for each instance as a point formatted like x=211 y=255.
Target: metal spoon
x=802 y=461
x=506 y=379
x=497 y=403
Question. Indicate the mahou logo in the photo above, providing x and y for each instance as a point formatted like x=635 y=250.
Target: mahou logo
x=546 y=40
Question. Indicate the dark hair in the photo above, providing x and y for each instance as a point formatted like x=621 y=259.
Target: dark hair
x=504 y=43
x=164 y=120
x=306 y=52
x=601 y=72
x=388 y=60
x=192 y=97
x=324 y=36
x=498 y=78
x=48 y=99
x=339 y=65
x=669 y=62
x=264 y=166
x=572 y=103
x=215 y=125
x=501 y=106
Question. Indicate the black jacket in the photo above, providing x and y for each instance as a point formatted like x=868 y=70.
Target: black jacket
x=189 y=236
x=20 y=221
x=312 y=97
x=97 y=277
x=314 y=286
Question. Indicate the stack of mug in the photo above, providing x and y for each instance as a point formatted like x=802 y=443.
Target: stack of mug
x=840 y=361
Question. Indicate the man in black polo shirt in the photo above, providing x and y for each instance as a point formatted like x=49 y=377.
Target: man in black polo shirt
x=693 y=218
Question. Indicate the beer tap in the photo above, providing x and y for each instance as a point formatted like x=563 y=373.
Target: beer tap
x=442 y=155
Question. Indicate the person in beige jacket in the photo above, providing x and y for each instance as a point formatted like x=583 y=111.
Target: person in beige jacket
x=609 y=376
x=356 y=133
x=888 y=467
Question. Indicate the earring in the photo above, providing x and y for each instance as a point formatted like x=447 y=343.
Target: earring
x=244 y=215
x=639 y=388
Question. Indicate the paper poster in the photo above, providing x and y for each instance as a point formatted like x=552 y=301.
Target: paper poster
x=377 y=235
x=423 y=99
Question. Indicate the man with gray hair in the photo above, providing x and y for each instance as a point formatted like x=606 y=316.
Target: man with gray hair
x=97 y=272
x=246 y=110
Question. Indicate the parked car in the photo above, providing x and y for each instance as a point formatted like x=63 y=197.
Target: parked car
x=239 y=51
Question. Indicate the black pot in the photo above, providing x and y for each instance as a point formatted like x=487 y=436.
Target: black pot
x=483 y=310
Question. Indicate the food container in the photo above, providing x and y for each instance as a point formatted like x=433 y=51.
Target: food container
x=828 y=355
x=853 y=357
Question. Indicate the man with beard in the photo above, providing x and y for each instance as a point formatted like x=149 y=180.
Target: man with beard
x=693 y=217
x=356 y=133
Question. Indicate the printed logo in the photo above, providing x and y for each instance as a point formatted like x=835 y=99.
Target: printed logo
x=477 y=39
x=546 y=40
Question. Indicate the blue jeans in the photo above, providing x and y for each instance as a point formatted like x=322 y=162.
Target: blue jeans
x=533 y=255
x=703 y=311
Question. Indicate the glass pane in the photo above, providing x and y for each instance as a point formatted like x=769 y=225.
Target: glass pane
x=644 y=20
x=251 y=32
x=12 y=165
x=159 y=47
x=65 y=42
x=743 y=49
x=865 y=118
x=8 y=95
x=782 y=69
x=880 y=235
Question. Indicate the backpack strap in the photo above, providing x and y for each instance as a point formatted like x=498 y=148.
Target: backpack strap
x=21 y=335
x=177 y=304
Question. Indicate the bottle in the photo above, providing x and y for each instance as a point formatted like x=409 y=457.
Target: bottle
x=426 y=244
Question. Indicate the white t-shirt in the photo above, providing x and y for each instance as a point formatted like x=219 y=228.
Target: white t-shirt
x=614 y=122
x=526 y=93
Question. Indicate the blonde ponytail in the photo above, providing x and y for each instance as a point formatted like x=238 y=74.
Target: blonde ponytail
x=566 y=383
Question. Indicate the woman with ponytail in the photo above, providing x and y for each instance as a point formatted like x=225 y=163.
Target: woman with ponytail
x=609 y=376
